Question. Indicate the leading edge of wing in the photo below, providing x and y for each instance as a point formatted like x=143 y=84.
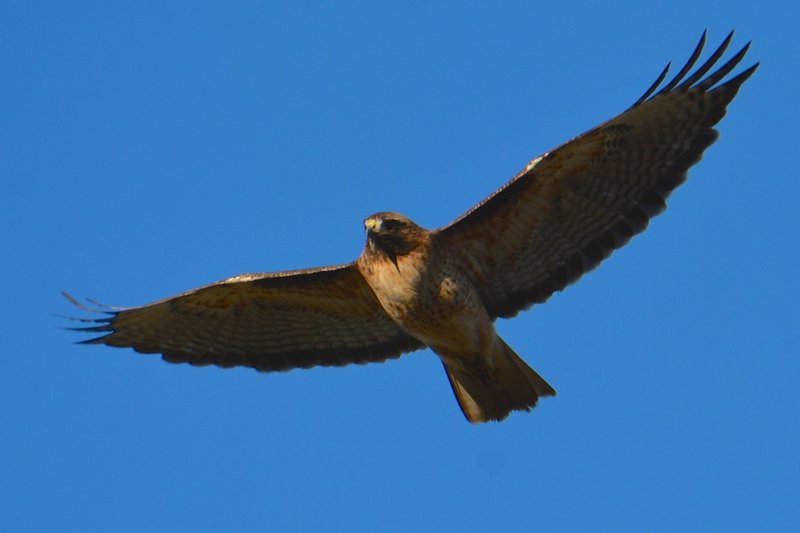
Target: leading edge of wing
x=738 y=80
x=323 y=316
x=111 y=312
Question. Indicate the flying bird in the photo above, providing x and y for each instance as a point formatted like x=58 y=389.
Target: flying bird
x=412 y=288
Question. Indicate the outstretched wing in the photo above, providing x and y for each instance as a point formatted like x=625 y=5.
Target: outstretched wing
x=570 y=208
x=276 y=321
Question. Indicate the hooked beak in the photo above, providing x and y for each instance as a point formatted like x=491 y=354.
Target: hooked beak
x=374 y=226
x=377 y=237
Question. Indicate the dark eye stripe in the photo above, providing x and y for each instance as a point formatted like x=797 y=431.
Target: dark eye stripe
x=391 y=224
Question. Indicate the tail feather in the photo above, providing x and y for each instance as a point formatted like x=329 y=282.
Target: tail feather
x=491 y=393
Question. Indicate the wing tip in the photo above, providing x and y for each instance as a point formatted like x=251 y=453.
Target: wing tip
x=94 y=340
x=695 y=80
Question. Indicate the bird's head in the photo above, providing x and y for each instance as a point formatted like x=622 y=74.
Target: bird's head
x=393 y=234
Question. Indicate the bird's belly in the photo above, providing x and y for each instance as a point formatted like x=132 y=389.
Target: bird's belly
x=442 y=309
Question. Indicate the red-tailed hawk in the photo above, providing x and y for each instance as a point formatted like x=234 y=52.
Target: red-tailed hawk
x=413 y=288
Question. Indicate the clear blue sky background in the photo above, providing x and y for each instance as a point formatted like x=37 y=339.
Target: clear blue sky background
x=148 y=149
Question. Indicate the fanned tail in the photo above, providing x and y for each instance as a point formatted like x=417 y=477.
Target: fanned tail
x=491 y=393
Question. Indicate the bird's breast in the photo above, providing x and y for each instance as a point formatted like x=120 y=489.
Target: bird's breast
x=429 y=297
x=397 y=284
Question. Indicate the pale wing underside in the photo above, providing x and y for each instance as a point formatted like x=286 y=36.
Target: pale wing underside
x=569 y=209
x=276 y=321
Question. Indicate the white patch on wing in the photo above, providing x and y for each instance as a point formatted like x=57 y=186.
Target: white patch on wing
x=534 y=162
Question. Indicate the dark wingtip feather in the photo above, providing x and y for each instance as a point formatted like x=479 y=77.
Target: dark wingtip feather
x=695 y=80
x=93 y=329
x=687 y=67
x=77 y=319
x=100 y=308
x=101 y=325
x=79 y=305
x=723 y=70
x=740 y=78
x=95 y=340
x=710 y=62
x=654 y=86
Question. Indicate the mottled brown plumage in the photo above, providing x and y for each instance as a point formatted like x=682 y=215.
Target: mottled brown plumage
x=411 y=288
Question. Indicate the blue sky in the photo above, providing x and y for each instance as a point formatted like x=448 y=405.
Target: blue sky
x=148 y=149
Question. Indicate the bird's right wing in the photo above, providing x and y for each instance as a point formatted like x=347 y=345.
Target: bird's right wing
x=275 y=321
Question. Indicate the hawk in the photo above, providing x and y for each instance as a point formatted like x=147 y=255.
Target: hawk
x=412 y=288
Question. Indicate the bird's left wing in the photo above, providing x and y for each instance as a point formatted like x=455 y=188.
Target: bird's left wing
x=276 y=321
x=569 y=209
